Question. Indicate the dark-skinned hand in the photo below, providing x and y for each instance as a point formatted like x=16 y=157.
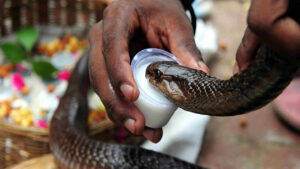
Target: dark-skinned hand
x=128 y=26
x=268 y=23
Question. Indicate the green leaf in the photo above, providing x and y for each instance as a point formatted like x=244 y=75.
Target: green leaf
x=43 y=68
x=27 y=37
x=13 y=52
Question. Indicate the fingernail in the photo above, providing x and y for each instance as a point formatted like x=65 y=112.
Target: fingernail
x=127 y=91
x=195 y=65
x=153 y=135
x=201 y=64
x=203 y=67
x=149 y=134
x=235 y=69
x=129 y=124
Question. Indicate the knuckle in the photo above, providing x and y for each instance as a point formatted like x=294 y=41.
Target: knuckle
x=94 y=31
x=114 y=111
x=239 y=54
x=119 y=8
x=91 y=76
x=259 y=24
x=110 y=107
x=93 y=80
x=190 y=46
x=93 y=73
x=242 y=51
x=111 y=9
x=107 y=44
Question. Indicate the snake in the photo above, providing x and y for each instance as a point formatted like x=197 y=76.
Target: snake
x=195 y=91
x=190 y=89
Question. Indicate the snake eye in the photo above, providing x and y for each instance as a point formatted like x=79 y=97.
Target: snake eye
x=157 y=74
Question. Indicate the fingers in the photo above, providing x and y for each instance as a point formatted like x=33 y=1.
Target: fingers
x=181 y=43
x=119 y=110
x=115 y=49
x=269 y=20
x=246 y=51
x=284 y=37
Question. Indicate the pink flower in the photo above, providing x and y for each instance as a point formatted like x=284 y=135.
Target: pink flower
x=64 y=75
x=75 y=55
x=41 y=124
x=17 y=81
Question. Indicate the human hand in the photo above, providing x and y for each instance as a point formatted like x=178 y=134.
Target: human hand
x=268 y=23
x=130 y=25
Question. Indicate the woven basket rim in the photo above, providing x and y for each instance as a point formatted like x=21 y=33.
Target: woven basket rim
x=35 y=133
x=42 y=134
x=13 y=126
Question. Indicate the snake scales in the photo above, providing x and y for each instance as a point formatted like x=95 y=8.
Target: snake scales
x=197 y=92
x=251 y=89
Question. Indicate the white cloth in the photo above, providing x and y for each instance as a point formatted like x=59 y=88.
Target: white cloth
x=206 y=39
x=182 y=136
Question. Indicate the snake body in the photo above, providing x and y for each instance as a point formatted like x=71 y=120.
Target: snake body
x=192 y=90
x=74 y=150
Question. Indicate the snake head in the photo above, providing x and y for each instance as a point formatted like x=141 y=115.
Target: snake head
x=163 y=75
x=155 y=72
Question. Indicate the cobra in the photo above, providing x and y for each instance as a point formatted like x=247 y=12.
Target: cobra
x=190 y=89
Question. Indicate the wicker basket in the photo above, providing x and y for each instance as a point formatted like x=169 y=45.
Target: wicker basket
x=17 y=143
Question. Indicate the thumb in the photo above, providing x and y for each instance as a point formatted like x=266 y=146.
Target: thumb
x=183 y=46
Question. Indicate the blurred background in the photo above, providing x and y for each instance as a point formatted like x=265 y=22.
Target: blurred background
x=257 y=140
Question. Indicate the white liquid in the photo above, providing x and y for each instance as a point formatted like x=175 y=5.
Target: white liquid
x=155 y=107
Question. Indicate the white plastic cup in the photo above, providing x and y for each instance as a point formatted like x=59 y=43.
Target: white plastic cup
x=155 y=107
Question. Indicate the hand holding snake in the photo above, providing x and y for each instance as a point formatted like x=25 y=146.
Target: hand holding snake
x=127 y=27
x=271 y=43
